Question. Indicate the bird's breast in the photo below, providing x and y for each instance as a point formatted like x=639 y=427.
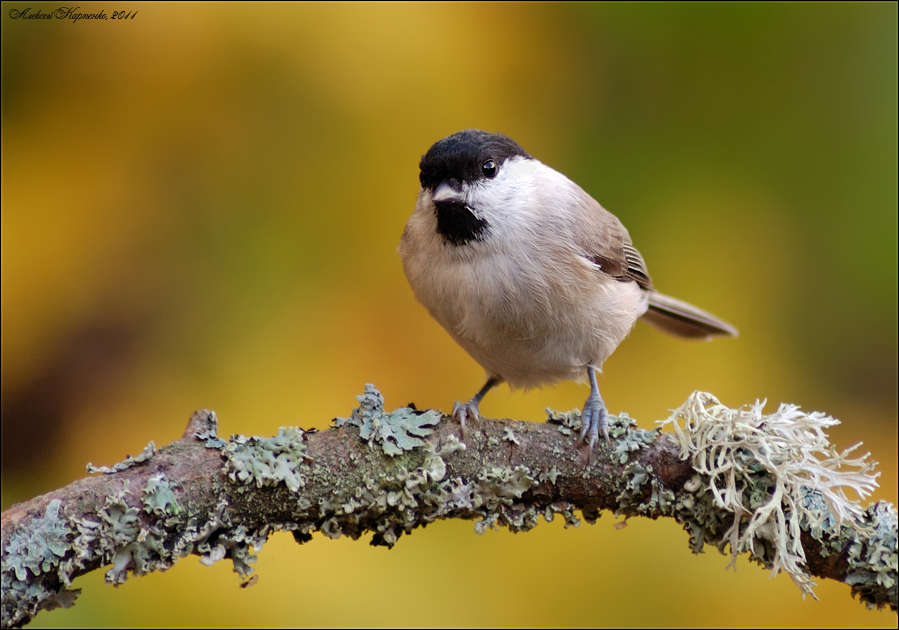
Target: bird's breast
x=530 y=310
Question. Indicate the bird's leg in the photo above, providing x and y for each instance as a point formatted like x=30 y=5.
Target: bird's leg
x=470 y=409
x=595 y=417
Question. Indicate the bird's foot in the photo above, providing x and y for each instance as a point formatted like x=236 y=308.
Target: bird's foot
x=594 y=418
x=463 y=411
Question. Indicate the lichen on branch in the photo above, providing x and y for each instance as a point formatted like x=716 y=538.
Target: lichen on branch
x=780 y=476
x=768 y=485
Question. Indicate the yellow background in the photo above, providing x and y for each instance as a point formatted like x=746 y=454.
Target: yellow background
x=201 y=208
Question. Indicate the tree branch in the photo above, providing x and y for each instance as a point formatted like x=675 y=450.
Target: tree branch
x=388 y=473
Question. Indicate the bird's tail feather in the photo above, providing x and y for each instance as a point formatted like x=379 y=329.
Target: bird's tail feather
x=684 y=320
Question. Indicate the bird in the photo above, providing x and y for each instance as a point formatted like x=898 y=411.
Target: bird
x=529 y=274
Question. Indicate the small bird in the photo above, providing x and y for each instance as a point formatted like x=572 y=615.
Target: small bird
x=528 y=273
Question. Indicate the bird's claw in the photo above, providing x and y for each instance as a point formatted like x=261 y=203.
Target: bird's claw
x=594 y=418
x=463 y=411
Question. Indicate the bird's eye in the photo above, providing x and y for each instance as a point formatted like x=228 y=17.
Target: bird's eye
x=489 y=169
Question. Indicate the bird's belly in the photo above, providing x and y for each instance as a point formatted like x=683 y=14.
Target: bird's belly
x=519 y=325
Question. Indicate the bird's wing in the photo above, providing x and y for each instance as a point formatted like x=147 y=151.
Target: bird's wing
x=607 y=244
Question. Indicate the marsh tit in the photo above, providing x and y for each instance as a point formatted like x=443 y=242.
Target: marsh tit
x=528 y=273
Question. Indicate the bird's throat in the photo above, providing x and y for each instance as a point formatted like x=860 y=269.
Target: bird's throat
x=457 y=224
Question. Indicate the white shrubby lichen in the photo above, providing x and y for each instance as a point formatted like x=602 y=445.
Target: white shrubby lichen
x=776 y=474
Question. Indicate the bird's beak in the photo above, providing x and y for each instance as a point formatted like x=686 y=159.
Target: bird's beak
x=444 y=193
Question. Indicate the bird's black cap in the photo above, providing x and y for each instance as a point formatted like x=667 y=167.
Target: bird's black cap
x=460 y=156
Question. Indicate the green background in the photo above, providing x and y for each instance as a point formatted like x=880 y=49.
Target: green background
x=201 y=208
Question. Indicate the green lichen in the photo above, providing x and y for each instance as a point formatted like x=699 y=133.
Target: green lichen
x=24 y=597
x=41 y=546
x=549 y=475
x=113 y=536
x=627 y=438
x=159 y=497
x=118 y=536
x=568 y=512
x=237 y=543
x=393 y=432
x=451 y=445
x=397 y=502
x=267 y=461
x=42 y=558
x=644 y=493
x=135 y=537
x=874 y=564
x=209 y=434
x=495 y=493
x=635 y=475
x=745 y=467
x=409 y=496
x=501 y=486
x=569 y=422
x=149 y=451
x=509 y=436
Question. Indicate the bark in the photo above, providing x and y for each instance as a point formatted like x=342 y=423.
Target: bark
x=381 y=474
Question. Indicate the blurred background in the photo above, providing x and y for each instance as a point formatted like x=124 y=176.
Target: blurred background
x=201 y=208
